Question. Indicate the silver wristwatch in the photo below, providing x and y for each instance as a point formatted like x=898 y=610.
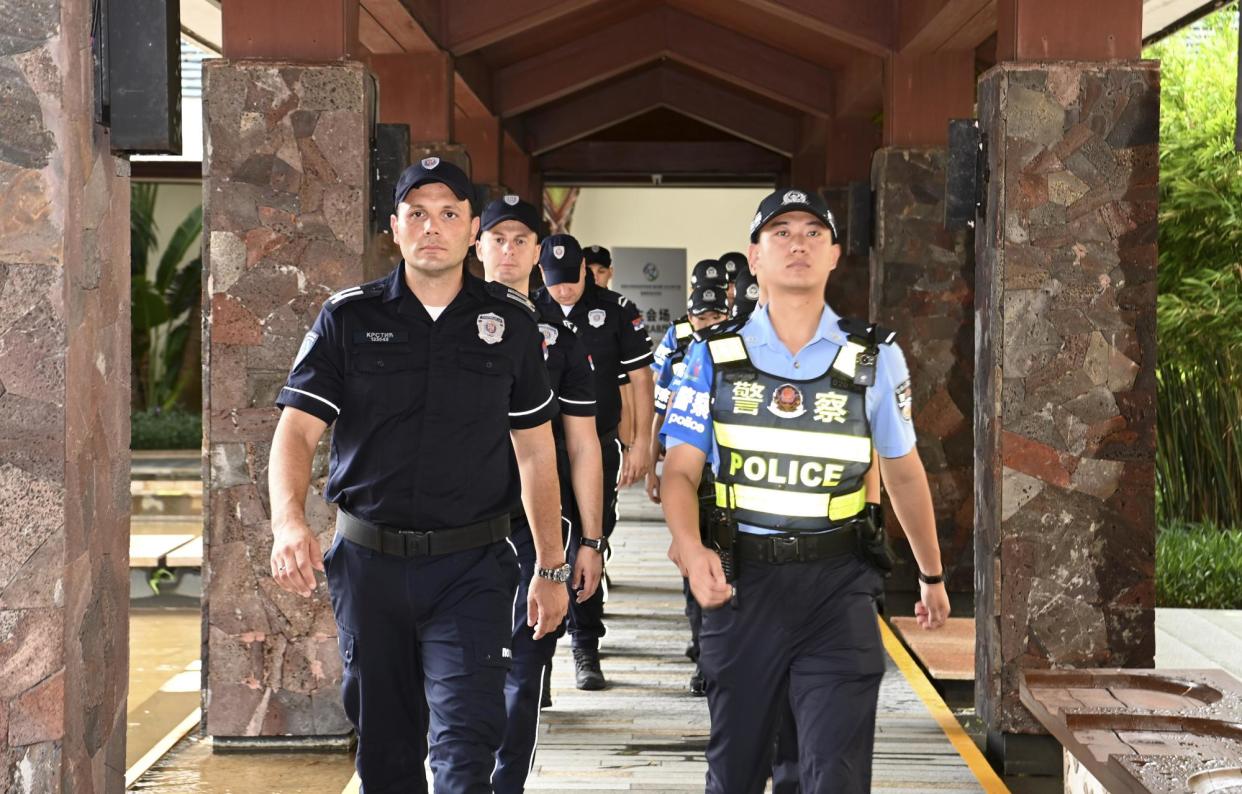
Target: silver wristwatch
x=559 y=575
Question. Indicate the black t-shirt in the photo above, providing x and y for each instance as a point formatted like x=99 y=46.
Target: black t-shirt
x=423 y=409
x=612 y=329
x=569 y=367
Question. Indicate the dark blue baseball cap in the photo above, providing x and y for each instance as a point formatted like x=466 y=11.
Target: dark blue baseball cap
x=597 y=255
x=746 y=293
x=708 y=298
x=560 y=259
x=510 y=208
x=782 y=201
x=433 y=169
x=708 y=271
x=733 y=262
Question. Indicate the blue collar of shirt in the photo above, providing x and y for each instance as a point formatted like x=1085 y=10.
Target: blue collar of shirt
x=759 y=331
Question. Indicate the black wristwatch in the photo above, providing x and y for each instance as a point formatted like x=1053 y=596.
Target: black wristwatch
x=559 y=575
x=925 y=579
x=599 y=544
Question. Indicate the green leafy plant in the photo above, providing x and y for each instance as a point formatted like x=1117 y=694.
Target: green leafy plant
x=165 y=303
x=1199 y=303
x=155 y=428
x=1199 y=566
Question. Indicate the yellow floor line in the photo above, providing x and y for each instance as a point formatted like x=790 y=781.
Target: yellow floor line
x=161 y=747
x=958 y=737
x=353 y=786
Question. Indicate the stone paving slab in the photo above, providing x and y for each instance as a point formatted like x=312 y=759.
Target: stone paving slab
x=647 y=733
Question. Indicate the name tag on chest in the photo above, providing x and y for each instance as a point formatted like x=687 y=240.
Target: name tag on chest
x=381 y=337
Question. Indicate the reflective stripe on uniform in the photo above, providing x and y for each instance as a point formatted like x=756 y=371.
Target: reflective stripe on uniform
x=801 y=443
x=791 y=503
x=726 y=349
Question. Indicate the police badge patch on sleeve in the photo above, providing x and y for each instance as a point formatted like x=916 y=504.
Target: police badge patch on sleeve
x=905 y=399
x=308 y=344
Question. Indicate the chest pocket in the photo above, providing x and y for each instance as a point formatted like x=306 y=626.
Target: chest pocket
x=485 y=381
x=384 y=380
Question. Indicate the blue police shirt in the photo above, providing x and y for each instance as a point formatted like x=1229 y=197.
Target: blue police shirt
x=422 y=409
x=689 y=419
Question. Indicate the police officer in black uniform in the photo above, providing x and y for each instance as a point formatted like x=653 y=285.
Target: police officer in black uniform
x=612 y=329
x=508 y=248
x=437 y=385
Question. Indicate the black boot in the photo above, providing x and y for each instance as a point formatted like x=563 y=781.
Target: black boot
x=545 y=701
x=587 y=672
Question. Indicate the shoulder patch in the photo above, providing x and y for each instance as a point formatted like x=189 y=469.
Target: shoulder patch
x=512 y=297
x=371 y=289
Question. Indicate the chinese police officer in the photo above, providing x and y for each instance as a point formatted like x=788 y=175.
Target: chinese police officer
x=437 y=384
x=508 y=247
x=612 y=330
x=787 y=409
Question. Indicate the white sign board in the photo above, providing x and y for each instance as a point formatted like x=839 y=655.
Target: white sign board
x=655 y=280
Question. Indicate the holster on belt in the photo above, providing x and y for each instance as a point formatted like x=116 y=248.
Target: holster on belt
x=873 y=541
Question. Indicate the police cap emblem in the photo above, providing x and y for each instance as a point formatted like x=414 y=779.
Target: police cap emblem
x=794 y=197
x=430 y=162
x=558 y=251
x=512 y=200
x=787 y=402
x=596 y=317
x=491 y=327
x=709 y=295
x=711 y=272
x=752 y=292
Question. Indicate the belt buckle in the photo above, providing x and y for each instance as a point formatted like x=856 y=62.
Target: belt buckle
x=415 y=543
x=784 y=549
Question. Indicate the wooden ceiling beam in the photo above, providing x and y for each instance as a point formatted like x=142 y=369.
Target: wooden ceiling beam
x=868 y=25
x=657 y=34
x=860 y=88
x=480 y=23
x=607 y=158
x=401 y=25
x=929 y=26
x=696 y=97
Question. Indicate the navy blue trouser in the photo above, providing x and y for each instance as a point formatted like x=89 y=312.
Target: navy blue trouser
x=803 y=637
x=524 y=684
x=425 y=643
x=586 y=621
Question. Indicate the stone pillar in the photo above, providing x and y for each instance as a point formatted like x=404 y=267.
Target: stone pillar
x=922 y=287
x=285 y=216
x=64 y=414
x=1065 y=395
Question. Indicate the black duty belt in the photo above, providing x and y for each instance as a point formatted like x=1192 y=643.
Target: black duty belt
x=802 y=547
x=415 y=543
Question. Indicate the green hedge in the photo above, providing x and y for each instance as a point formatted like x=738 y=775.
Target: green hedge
x=1199 y=566
x=175 y=429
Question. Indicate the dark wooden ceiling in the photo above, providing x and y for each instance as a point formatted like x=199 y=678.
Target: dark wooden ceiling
x=595 y=73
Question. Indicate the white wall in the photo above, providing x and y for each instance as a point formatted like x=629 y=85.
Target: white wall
x=707 y=221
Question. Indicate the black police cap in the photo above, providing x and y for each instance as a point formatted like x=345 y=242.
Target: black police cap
x=510 y=208
x=708 y=271
x=734 y=262
x=745 y=293
x=597 y=255
x=560 y=258
x=782 y=201
x=433 y=169
x=708 y=298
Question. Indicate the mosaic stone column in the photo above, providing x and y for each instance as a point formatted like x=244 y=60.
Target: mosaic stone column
x=922 y=287
x=64 y=414
x=285 y=214
x=1065 y=398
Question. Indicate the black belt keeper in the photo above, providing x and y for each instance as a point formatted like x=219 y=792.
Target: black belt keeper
x=803 y=547
x=428 y=543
